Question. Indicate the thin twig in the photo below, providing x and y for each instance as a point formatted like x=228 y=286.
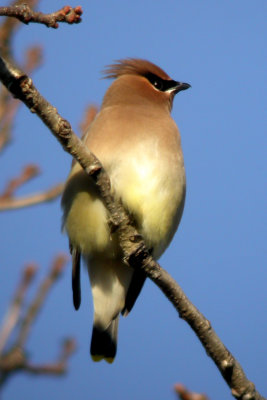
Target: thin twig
x=33 y=58
x=9 y=202
x=15 y=307
x=8 y=105
x=26 y=15
x=185 y=394
x=38 y=301
x=131 y=242
x=29 y=172
x=8 y=109
x=56 y=368
x=31 y=200
x=15 y=358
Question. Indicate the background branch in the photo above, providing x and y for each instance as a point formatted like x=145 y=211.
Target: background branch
x=16 y=305
x=29 y=172
x=9 y=26
x=32 y=199
x=33 y=59
x=41 y=294
x=68 y=347
x=131 y=242
x=9 y=202
x=14 y=358
x=18 y=321
x=7 y=199
x=184 y=394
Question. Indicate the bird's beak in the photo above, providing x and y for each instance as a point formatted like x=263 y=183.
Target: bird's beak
x=181 y=86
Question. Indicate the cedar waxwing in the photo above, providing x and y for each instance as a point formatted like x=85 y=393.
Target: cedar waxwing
x=138 y=143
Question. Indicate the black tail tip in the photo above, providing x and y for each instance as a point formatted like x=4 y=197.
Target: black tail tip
x=104 y=344
x=76 y=300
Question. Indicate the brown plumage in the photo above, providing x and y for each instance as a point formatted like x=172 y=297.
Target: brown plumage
x=138 y=144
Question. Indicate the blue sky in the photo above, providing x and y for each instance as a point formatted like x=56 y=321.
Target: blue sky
x=218 y=255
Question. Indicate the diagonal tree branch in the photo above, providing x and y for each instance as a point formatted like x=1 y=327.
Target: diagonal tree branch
x=132 y=244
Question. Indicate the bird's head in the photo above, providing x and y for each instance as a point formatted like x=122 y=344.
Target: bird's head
x=138 y=81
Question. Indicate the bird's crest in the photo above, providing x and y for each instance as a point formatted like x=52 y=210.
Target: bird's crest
x=133 y=66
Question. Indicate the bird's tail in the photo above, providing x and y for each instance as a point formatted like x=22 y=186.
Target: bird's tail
x=110 y=280
x=104 y=342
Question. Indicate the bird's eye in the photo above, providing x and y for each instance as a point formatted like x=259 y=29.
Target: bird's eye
x=157 y=82
x=163 y=85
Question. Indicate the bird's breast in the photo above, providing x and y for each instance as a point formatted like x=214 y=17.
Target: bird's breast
x=151 y=183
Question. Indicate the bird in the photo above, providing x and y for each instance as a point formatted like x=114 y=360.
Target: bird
x=138 y=143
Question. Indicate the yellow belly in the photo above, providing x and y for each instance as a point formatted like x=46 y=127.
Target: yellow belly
x=153 y=196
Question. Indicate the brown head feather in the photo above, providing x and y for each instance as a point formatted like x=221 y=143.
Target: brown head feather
x=133 y=66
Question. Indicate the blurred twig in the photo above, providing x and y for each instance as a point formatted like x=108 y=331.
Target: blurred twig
x=184 y=394
x=29 y=172
x=41 y=294
x=88 y=117
x=8 y=105
x=16 y=304
x=33 y=58
x=7 y=199
x=9 y=202
x=14 y=358
x=68 y=346
x=31 y=200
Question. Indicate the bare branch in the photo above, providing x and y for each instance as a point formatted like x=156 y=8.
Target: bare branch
x=29 y=172
x=39 y=299
x=33 y=58
x=57 y=368
x=88 y=118
x=8 y=105
x=15 y=358
x=68 y=348
x=31 y=200
x=185 y=394
x=8 y=109
x=26 y=15
x=132 y=244
x=15 y=307
x=9 y=202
